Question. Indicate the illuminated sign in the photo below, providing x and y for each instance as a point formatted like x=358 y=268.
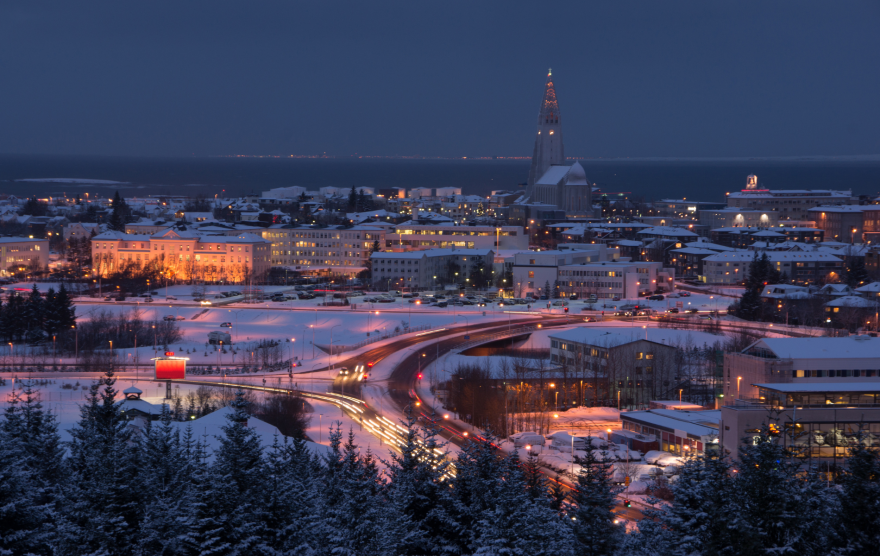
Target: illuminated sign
x=170 y=368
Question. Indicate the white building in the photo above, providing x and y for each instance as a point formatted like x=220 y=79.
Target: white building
x=607 y=280
x=804 y=267
x=429 y=269
x=430 y=236
x=533 y=270
x=344 y=250
x=17 y=254
x=789 y=204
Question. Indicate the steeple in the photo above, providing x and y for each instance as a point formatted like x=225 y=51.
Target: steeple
x=548 y=141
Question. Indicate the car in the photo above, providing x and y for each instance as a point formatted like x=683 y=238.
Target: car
x=615 y=298
x=590 y=319
x=672 y=310
x=148 y=299
x=573 y=297
x=168 y=317
x=225 y=325
x=684 y=293
x=406 y=296
x=386 y=300
x=205 y=302
x=707 y=317
x=656 y=298
x=692 y=311
x=120 y=298
x=279 y=299
x=170 y=298
x=481 y=304
x=108 y=298
x=154 y=293
x=219 y=296
x=181 y=318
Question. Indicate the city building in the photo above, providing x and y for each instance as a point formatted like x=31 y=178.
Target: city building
x=800 y=360
x=184 y=255
x=804 y=267
x=615 y=367
x=609 y=280
x=548 y=141
x=842 y=222
x=429 y=236
x=22 y=254
x=677 y=431
x=429 y=269
x=533 y=270
x=338 y=249
x=818 y=420
x=80 y=230
x=730 y=217
x=789 y=204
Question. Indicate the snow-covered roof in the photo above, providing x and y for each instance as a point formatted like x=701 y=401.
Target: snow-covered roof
x=774 y=256
x=852 y=301
x=852 y=347
x=19 y=239
x=573 y=175
x=809 y=387
x=873 y=287
x=694 y=251
x=664 y=421
x=842 y=208
x=668 y=231
x=628 y=243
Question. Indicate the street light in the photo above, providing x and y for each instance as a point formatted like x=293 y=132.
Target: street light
x=331 y=344
x=739 y=378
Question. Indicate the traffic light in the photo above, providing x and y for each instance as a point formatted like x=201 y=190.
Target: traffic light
x=566 y=309
x=627 y=503
x=420 y=376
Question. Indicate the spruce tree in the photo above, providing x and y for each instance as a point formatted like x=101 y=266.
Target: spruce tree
x=860 y=499
x=593 y=515
x=419 y=490
x=65 y=309
x=119 y=216
x=34 y=313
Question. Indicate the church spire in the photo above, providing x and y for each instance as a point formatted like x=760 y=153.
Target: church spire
x=548 y=141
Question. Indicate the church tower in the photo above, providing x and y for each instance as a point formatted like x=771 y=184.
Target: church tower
x=548 y=141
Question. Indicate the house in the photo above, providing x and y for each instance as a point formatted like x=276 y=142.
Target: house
x=836 y=290
x=678 y=431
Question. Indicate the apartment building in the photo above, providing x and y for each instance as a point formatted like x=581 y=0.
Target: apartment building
x=185 y=255
x=428 y=269
x=841 y=223
x=18 y=254
x=790 y=204
x=345 y=250
x=429 y=236
x=533 y=270
x=607 y=280
x=804 y=267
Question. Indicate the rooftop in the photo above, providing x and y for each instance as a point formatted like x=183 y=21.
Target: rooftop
x=820 y=348
x=815 y=387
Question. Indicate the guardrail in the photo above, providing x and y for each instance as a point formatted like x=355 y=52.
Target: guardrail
x=497 y=336
x=342 y=349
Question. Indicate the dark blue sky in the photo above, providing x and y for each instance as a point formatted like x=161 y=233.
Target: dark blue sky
x=634 y=78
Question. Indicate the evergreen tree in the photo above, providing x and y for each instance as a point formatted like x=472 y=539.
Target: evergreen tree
x=11 y=321
x=102 y=500
x=34 y=313
x=352 y=199
x=860 y=499
x=419 y=491
x=547 y=290
x=592 y=517
x=119 y=216
x=51 y=317
x=65 y=309
x=854 y=272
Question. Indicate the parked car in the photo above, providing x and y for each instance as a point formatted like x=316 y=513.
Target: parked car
x=226 y=325
x=108 y=298
x=386 y=300
x=615 y=298
x=684 y=293
x=181 y=318
x=656 y=298
x=168 y=317
x=170 y=298
x=440 y=304
x=148 y=299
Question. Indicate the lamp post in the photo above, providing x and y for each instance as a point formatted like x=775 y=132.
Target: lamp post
x=12 y=352
x=738 y=379
x=76 y=344
x=292 y=345
x=331 y=344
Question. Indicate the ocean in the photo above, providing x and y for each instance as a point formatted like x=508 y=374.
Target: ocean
x=698 y=180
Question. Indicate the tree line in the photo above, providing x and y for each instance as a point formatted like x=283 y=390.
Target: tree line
x=114 y=491
x=35 y=318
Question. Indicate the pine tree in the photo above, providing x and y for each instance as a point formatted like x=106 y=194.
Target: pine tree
x=547 y=291
x=419 y=491
x=51 y=317
x=119 y=216
x=33 y=315
x=352 y=199
x=860 y=499
x=592 y=518
x=101 y=501
x=65 y=309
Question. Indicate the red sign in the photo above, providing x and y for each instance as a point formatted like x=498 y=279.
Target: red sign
x=170 y=369
x=169 y=353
